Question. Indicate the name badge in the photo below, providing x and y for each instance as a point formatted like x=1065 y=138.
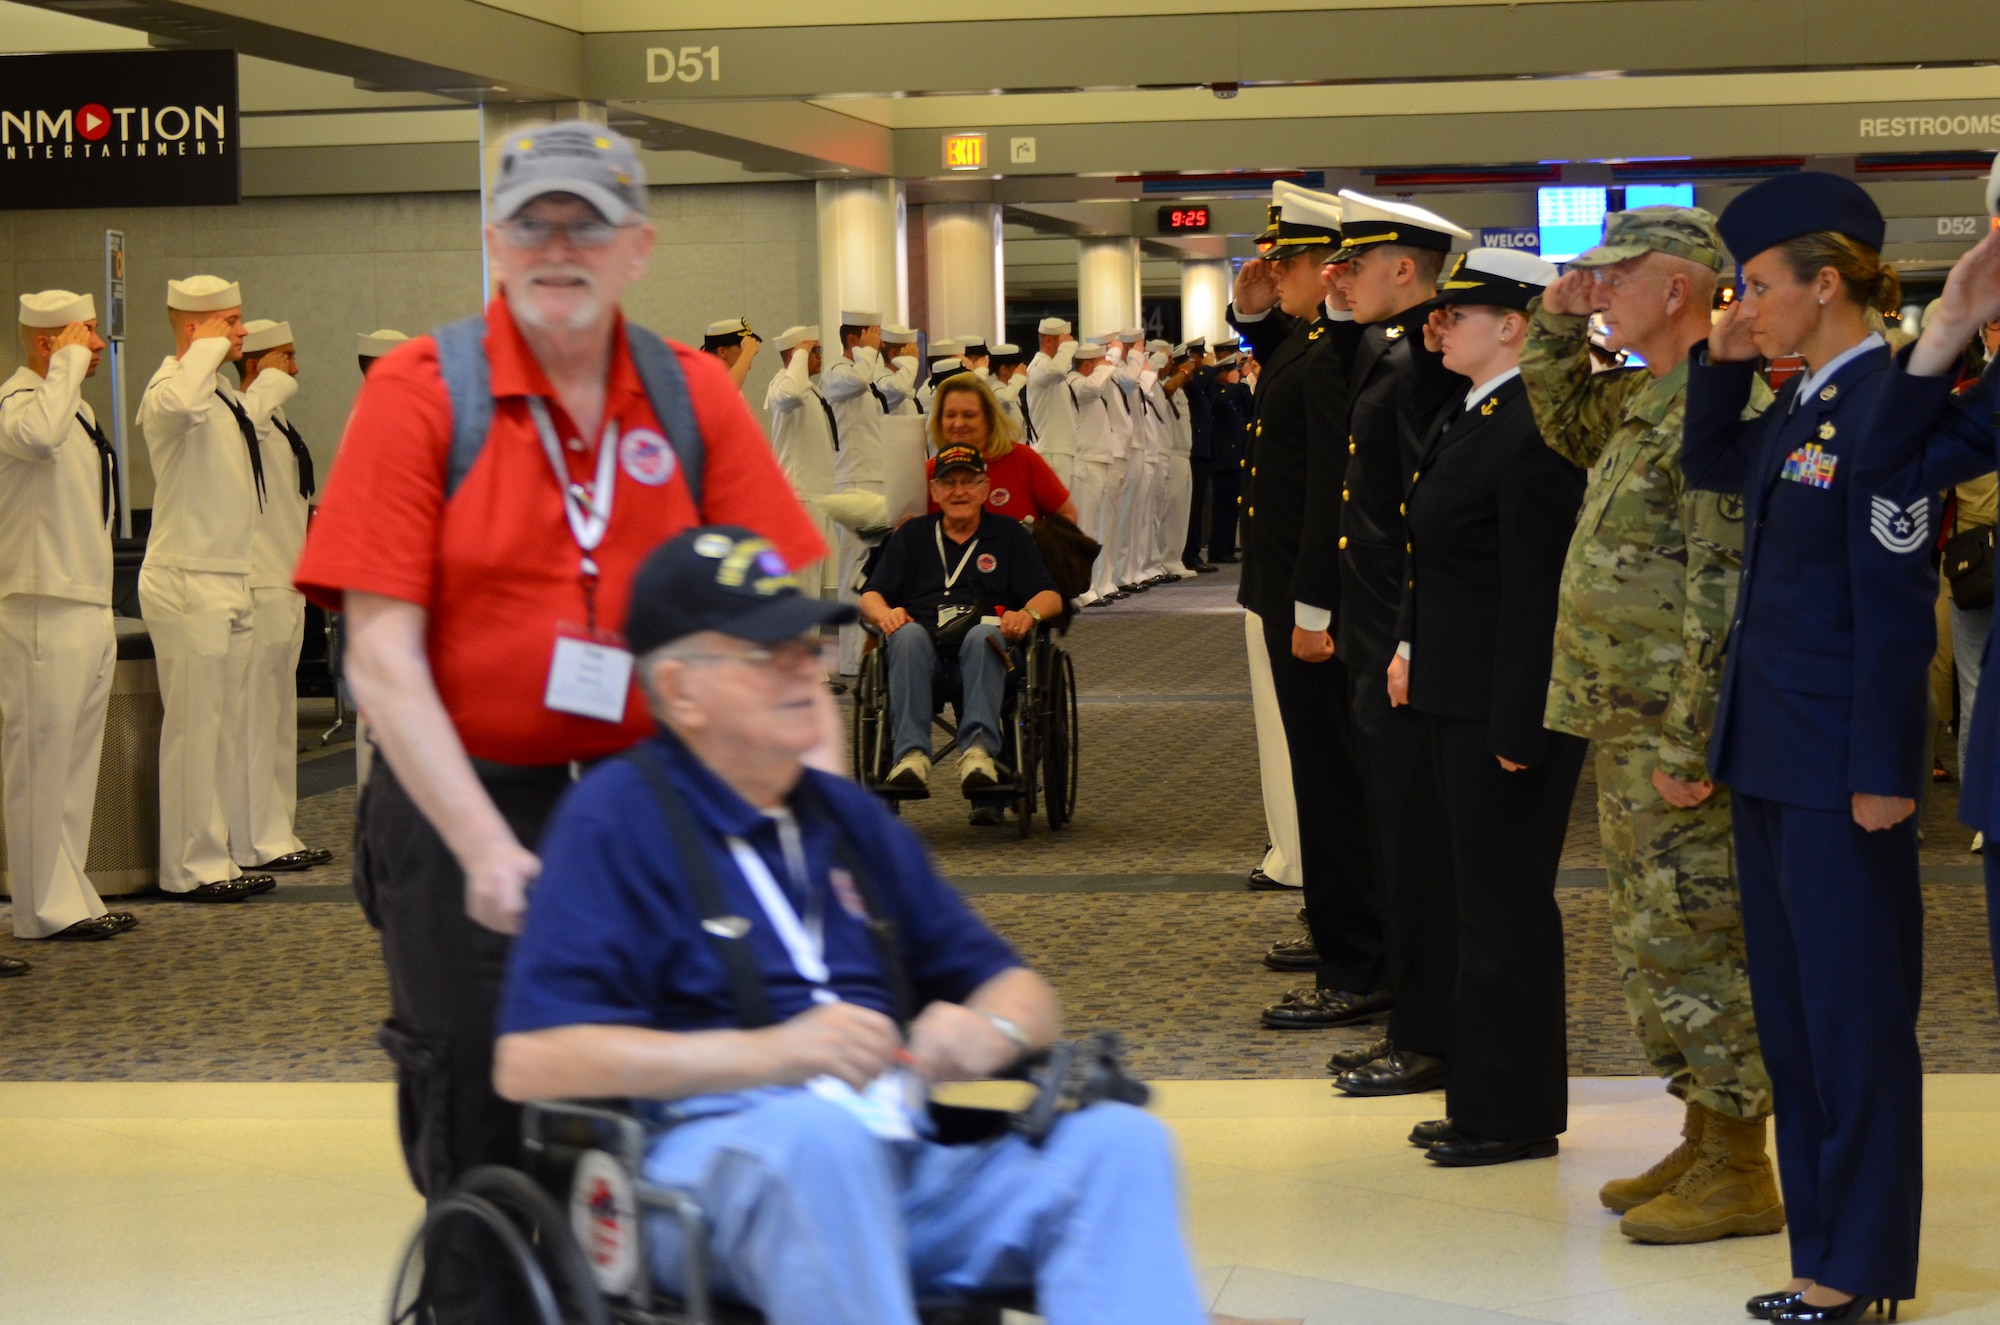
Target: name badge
x=1811 y=466
x=888 y=1107
x=589 y=676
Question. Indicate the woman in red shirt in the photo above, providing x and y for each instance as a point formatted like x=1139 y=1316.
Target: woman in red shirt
x=965 y=412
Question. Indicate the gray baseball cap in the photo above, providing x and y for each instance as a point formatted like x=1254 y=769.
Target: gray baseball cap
x=597 y=164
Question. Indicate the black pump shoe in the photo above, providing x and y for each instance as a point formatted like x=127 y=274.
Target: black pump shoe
x=1805 y=1313
x=1762 y=1305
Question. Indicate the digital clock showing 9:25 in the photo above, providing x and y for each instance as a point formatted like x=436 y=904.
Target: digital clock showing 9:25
x=1183 y=220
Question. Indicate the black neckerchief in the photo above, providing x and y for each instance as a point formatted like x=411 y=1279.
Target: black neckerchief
x=107 y=470
x=880 y=399
x=832 y=426
x=307 y=485
x=249 y=431
x=1027 y=417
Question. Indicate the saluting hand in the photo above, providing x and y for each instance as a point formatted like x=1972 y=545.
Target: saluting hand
x=1971 y=299
x=76 y=333
x=1875 y=813
x=1573 y=294
x=1256 y=287
x=1434 y=331
x=212 y=328
x=1729 y=340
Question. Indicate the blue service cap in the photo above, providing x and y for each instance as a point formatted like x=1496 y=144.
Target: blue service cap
x=1787 y=206
x=726 y=579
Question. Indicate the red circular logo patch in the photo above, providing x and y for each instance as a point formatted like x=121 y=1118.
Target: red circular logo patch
x=999 y=497
x=987 y=562
x=646 y=457
x=92 y=122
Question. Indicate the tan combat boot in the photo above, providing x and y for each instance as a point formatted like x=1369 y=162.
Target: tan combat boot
x=1730 y=1192
x=1622 y=1194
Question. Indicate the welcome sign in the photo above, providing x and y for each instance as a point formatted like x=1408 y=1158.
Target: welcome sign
x=119 y=129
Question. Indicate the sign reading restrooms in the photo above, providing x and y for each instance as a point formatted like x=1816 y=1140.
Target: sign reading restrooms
x=119 y=129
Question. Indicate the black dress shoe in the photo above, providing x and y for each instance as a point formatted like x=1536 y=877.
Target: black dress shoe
x=1399 y=1072
x=1459 y=1151
x=93 y=930
x=1803 y=1312
x=257 y=883
x=14 y=966
x=1426 y=1135
x=1326 y=1007
x=1260 y=882
x=1293 y=955
x=1761 y=1306
x=985 y=816
x=305 y=859
x=236 y=890
x=1202 y=568
x=126 y=920
x=1348 y=1059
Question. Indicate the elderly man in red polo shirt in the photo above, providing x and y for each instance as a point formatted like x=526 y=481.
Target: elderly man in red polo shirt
x=482 y=569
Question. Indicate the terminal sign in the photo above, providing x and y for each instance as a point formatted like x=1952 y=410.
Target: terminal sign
x=119 y=129
x=965 y=151
x=1525 y=239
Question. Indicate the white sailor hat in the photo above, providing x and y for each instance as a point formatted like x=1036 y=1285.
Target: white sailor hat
x=1006 y=353
x=1366 y=222
x=1298 y=221
x=792 y=337
x=850 y=317
x=1089 y=349
x=943 y=349
x=1052 y=326
x=943 y=368
x=264 y=334
x=1497 y=278
x=56 y=308
x=375 y=344
x=899 y=335
x=1179 y=352
x=1132 y=334
x=203 y=294
x=974 y=347
x=1159 y=345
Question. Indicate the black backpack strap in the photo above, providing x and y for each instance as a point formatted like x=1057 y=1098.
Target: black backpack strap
x=728 y=933
x=468 y=385
x=667 y=392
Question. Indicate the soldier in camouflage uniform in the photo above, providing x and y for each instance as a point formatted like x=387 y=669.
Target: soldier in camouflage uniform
x=1647 y=593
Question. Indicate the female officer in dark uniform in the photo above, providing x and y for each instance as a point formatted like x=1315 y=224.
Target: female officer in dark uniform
x=1491 y=511
x=1820 y=733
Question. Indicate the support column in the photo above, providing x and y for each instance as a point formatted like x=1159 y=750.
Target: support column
x=861 y=249
x=496 y=119
x=967 y=274
x=1205 y=286
x=1107 y=285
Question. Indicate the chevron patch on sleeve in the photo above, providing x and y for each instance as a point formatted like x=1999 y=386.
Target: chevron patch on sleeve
x=1897 y=528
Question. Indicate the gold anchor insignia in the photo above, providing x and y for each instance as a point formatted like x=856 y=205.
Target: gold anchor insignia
x=1317 y=332
x=1486 y=410
x=1828 y=392
x=1826 y=431
x=1393 y=333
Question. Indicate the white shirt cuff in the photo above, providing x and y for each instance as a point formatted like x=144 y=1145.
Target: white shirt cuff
x=1309 y=618
x=1403 y=650
x=1238 y=315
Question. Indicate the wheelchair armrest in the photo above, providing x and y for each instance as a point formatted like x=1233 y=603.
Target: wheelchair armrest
x=615 y=1117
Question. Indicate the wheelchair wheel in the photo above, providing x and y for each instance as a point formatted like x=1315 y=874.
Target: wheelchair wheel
x=499 y=1241
x=1059 y=754
x=871 y=727
x=1030 y=720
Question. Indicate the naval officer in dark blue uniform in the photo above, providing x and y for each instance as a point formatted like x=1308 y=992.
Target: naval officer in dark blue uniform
x=1819 y=733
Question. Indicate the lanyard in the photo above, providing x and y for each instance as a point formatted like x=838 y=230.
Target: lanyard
x=587 y=509
x=950 y=575
x=804 y=940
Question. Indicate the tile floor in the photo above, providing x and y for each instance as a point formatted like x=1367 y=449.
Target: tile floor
x=170 y=1204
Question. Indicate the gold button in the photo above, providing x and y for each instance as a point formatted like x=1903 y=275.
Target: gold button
x=1413 y=584
x=1260 y=430
x=1253 y=471
x=1239 y=501
x=1252 y=510
x=1243 y=464
x=1350 y=439
x=1343 y=542
x=1404 y=508
x=1350 y=448
x=1416 y=475
x=1409 y=547
x=1344 y=494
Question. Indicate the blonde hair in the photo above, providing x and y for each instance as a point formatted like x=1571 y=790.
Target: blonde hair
x=1867 y=280
x=1001 y=430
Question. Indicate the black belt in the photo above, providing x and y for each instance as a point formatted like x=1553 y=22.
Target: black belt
x=492 y=770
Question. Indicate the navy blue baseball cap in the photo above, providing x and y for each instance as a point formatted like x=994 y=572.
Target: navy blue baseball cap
x=726 y=579
x=1787 y=206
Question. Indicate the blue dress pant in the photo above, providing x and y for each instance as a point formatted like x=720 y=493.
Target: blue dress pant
x=1833 y=924
x=914 y=668
x=816 y=1221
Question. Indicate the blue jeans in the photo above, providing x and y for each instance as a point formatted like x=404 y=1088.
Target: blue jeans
x=816 y=1221
x=1968 y=643
x=913 y=670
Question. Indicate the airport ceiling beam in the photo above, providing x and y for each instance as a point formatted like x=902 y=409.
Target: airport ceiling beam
x=789 y=137
x=1318 y=46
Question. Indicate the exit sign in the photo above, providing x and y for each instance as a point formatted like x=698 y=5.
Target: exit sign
x=965 y=151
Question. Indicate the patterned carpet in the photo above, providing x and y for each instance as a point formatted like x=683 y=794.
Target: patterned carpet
x=1133 y=911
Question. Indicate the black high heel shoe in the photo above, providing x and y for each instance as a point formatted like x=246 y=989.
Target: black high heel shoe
x=1804 y=1313
x=1762 y=1305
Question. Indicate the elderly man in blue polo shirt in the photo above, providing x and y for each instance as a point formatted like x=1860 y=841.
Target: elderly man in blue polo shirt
x=733 y=941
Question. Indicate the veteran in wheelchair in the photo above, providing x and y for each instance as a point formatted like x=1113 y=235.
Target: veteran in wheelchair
x=958 y=600
x=761 y=959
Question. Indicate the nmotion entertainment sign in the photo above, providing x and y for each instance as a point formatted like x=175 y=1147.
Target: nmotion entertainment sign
x=119 y=129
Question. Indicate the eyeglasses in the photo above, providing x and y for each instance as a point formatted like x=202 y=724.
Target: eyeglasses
x=960 y=482
x=536 y=232
x=786 y=655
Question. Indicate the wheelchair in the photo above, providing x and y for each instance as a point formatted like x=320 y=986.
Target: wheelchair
x=561 y=1240
x=1039 y=720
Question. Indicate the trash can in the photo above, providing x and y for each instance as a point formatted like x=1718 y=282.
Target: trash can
x=124 y=855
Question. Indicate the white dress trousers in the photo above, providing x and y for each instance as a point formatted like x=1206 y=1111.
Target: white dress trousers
x=56 y=658
x=264 y=800
x=1274 y=762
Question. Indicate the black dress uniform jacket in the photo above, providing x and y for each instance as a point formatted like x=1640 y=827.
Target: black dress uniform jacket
x=1398 y=389
x=1490 y=523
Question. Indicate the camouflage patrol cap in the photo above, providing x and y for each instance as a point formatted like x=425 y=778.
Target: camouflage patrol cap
x=1678 y=232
